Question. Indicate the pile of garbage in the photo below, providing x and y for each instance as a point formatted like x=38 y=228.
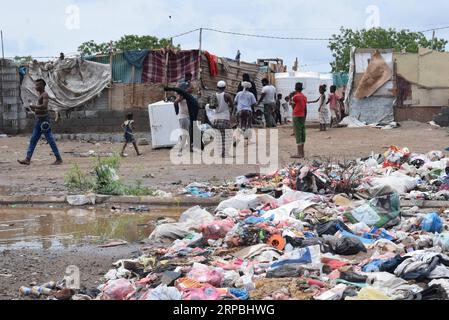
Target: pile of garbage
x=319 y=232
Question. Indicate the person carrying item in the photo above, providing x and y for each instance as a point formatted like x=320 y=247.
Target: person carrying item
x=42 y=125
x=268 y=99
x=245 y=101
x=224 y=107
x=299 y=119
x=192 y=106
x=128 y=126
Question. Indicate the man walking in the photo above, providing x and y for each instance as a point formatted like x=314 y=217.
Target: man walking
x=42 y=126
x=224 y=107
x=268 y=99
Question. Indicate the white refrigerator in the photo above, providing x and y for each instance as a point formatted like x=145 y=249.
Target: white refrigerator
x=164 y=124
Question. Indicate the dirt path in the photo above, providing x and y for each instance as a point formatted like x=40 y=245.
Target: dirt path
x=41 y=178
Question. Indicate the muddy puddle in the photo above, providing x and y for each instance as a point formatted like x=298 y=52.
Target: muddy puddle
x=42 y=228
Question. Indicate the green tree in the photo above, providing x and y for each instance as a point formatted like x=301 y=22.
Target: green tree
x=377 y=38
x=23 y=61
x=127 y=42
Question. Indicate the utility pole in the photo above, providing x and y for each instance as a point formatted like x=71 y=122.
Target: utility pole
x=433 y=40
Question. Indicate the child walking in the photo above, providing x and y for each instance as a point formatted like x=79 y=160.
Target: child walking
x=128 y=126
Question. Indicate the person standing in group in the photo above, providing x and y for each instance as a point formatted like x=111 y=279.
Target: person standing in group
x=286 y=109
x=187 y=101
x=42 y=125
x=268 y=99
x=323 y=108
x=128 y=126
x=299 y=119
x=182 y=111
x=224 y=107
x=247 y=78
x=334 y=105
x=245 y=101
x=278 y=109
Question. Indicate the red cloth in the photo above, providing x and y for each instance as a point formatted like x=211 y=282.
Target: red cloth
x=300 y=108
x=179 y=63
x=213 y=63
x=154 y=67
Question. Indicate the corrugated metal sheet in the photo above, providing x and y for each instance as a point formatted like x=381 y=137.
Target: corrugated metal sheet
x=122 y=71
x=10 y=109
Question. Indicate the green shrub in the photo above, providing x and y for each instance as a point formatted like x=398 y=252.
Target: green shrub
x=106 y=179
x=77 y=179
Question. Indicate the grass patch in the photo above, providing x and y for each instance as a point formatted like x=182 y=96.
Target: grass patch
x=105 y=179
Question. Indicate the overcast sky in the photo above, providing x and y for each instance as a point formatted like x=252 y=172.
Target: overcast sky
x=45 y=28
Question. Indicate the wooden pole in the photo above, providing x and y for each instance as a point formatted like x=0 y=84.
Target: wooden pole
x=1 y=72
x=167 y=54
x=199 y=63
x=134 y=84
x=112 y=75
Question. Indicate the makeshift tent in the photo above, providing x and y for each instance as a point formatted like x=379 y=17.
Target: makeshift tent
x=71 y=83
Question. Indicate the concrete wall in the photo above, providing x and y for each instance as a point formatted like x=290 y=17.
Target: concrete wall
x=11 y=113
x=98 y=122
x=420 y=114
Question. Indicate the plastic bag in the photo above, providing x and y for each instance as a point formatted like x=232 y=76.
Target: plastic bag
x=442 y=240
x=299 y=257
x=205 y=274
x=370 y=293
x=336 y=293
x=432 y=223
x=241 y=202
x=162 y=293
x=201 y=294
x=230 y=278
x=217 y=229
x=119 y=289
x=196 y=214
x=435 y=155
x=241 y=294
x=379 y=212
x=171 y=231
x=188 y=222
x=397 y=182
x=347 y=246
x=331 y=227
x=395 y=157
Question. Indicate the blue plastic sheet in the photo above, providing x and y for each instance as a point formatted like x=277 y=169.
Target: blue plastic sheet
x=432 y=223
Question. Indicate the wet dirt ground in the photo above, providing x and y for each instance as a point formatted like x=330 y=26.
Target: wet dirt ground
x=38 y=244
x=156 y=170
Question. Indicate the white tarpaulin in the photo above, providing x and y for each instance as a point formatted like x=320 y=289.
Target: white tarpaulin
x=71 y=83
